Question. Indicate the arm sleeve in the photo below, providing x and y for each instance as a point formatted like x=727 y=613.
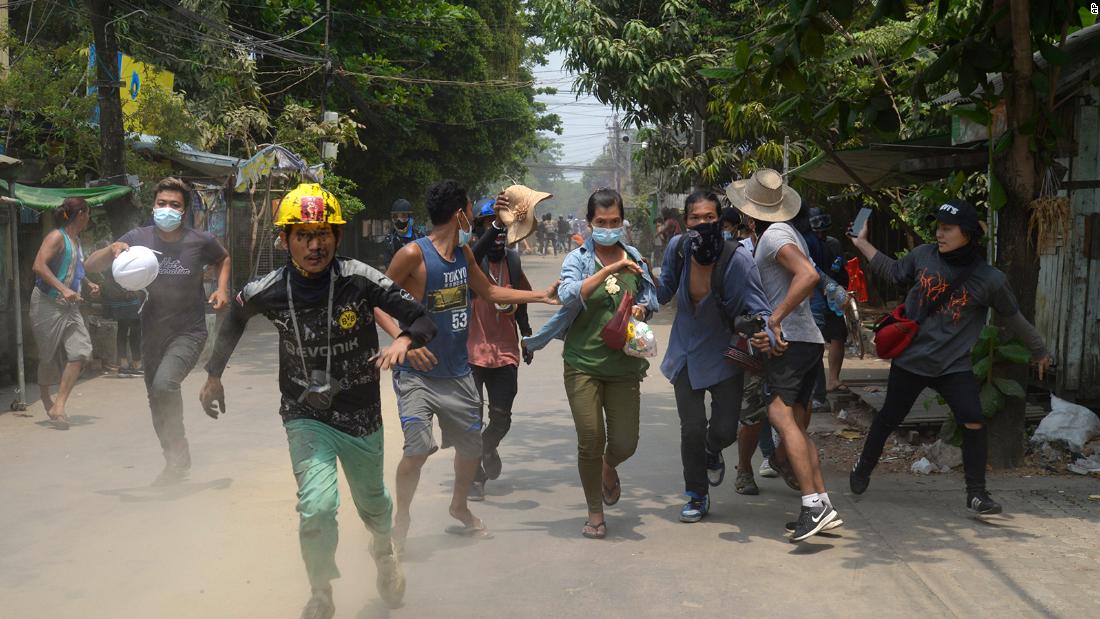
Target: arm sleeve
x=898 y=271
x=1028 y=333
x=481 y=248
x=523 y=321
x=572 y=276
x=240 y=311
x=742 y=279
x=1002 y=300
x=669 y=281
x=398 y=303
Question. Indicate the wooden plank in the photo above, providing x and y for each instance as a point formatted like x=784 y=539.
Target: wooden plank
x=1085 y=167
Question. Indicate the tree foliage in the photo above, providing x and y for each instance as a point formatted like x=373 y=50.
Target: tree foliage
x=425 y=88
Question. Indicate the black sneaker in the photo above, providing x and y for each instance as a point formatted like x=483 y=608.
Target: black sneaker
x=982 y=503
x=811 y=520
x=716 y=468
x=858 y=482
x=490 y=462
x=320 y=605
x=837 y=522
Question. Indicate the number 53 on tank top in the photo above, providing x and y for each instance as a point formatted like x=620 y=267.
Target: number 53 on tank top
x=447 y=299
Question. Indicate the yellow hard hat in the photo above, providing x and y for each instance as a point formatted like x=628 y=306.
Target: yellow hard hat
x=308 y=203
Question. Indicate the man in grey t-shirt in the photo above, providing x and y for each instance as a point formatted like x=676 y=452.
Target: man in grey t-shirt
x=789 y=279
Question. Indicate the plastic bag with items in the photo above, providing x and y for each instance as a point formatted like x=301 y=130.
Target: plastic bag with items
x=640 y=340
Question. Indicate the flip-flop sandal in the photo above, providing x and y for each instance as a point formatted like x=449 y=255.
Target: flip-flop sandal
x=599 y=531
x=841 y=388
x=467 y=531
x=617 y=489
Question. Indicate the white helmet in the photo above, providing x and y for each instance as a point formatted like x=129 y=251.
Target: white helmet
x=135 y=268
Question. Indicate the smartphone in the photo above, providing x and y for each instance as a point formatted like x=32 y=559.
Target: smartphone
x=860 y=221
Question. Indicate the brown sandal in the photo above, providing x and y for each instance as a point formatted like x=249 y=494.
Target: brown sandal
x=599 y=531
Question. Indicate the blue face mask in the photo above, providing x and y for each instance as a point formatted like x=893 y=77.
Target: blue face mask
x=464 y=236
x=727 y=235
x=607 y=236
x=167 y=219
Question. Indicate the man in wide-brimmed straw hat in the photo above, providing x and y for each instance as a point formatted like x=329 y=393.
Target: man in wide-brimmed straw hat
x=789 y=279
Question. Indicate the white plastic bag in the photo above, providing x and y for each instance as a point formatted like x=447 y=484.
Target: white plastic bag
x=1067 y=424
x=640 y=340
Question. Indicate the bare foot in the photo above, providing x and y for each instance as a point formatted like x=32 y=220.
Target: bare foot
x=57 y=416
x=466 y=517
x=57 y=411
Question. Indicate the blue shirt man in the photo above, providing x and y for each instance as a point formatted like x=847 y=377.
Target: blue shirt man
x=695 y=360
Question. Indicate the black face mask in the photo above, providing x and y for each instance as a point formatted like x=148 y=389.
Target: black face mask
x=706 y=242
x=496 y=252
x=964 y=255
x=400 y=225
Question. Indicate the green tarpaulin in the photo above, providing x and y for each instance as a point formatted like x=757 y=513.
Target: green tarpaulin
x=44 y=198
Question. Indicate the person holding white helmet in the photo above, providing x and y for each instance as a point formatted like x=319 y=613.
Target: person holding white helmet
x=322 y=306
x=173 y=321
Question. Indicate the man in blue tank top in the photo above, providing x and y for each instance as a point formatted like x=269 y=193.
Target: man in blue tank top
x=436 y=380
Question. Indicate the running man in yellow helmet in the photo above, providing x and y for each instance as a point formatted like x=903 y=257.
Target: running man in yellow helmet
x=329 y=360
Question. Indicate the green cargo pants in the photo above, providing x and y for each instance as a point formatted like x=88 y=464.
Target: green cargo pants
x=314 y=448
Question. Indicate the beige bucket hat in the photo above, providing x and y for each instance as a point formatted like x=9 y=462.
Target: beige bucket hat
x=520 y=217
x=765 y=196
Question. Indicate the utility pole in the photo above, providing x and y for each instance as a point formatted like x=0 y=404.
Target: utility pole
x=328 y=149
x=328 y=62
x=613 y=134
x=112 y=160
x=628 y=165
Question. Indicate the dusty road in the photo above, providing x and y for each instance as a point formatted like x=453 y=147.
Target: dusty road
x=84 y=536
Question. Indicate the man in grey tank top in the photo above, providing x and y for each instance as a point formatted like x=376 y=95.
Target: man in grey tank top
x=436 y=381
x=789 y=279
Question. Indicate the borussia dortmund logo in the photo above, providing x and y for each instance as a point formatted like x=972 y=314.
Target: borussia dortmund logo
x=348 y=319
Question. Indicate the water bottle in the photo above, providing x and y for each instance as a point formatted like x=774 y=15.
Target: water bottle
x=836 y=296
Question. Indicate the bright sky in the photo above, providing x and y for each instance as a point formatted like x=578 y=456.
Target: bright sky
x=584 y=120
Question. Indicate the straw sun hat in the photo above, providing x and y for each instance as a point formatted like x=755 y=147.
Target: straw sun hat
x=765 y=196
x=520 y=217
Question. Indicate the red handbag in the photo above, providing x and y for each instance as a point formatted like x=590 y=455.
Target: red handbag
x=614 y=332
x=894 y=333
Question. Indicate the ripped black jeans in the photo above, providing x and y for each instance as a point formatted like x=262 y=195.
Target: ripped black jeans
x=960 y=391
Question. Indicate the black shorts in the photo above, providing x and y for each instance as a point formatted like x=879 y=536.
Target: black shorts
x=835 y=328
x=793 y=375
